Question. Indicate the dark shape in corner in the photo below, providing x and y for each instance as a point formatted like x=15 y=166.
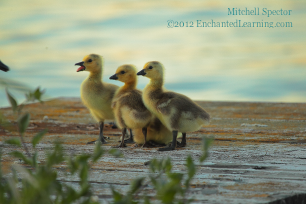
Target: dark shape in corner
x=3 y=67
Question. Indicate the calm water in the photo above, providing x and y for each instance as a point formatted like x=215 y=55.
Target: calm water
x=41 y=41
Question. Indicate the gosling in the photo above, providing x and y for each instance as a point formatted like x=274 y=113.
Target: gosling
x=127 y=104
x=176 y=111
x=96 y=95
x=157 y=134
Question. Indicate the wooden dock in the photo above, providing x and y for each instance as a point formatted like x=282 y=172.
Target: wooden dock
x=258 y=154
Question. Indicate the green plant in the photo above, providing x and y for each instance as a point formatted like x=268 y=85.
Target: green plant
x=24 y=119
x=38 y=183
x=169 y=186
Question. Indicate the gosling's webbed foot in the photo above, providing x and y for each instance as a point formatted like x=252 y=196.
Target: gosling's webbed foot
x=114 y=126
x=94 y=142
x=103 y=141
x=146 y=144
x=129 y=140
x=153 y=144
x=183 y=143
x=172 y=145
x=167 y=148
x=180 y=144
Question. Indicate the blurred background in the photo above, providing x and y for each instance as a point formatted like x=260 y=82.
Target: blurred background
x=42 y=40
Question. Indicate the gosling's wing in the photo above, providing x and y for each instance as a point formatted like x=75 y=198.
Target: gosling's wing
x=164 y=104
x=133 y=100
x=183 y=106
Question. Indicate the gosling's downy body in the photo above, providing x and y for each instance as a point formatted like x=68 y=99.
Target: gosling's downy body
x=127 y=104
x=3 y=67
x=97 y=95
x=176 y=111
x=156 y=132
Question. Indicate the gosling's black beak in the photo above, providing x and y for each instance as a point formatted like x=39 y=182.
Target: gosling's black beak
x=80 y=64
x=81 y=68
x=142 y=72
x=115 y=77
x=3 y=67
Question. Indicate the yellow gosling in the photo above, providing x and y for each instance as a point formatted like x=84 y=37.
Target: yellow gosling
x=127 y=104
x=97 y=95
x=176 y=111
x=156 y=132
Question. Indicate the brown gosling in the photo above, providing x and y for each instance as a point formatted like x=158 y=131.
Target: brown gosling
x=176 y=111
x=127 y=104
x=97 y=95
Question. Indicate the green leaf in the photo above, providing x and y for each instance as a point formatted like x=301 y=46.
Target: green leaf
x=206 y=143
x=168 y=194
x=146 y=200
x=12 y=101
x=84 y=174
x=38 y=137
x=82 y=159
x=191 y=167
x=35 y=95
x=154 y=182
x=116 y=195
x=166 y=165
x=175 y=177
x=153 y=165
x=21 y=156
x=136 y=184
x=23 y=123
x=55 y=157
x=38 y=93
x=35 y=159
x=13 y=141
x=116 y=153
x=73 y=165
x=98 y=152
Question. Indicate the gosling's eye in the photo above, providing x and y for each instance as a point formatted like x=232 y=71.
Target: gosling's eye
x=122 y=72
x=150 y=67
x=90 y=60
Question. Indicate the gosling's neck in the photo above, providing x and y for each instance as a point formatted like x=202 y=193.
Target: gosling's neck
x=130 y=85
x=95 y=76
x=157 y=83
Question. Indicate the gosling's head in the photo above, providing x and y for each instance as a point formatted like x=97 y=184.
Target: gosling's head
x=91 y=63
x=125 y=73
x=152 y=70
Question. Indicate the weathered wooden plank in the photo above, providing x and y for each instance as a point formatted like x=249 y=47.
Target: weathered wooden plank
x=258 y=156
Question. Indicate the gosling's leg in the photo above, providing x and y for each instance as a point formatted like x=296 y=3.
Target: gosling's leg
x=130 y=140
x=183 y=142
x=144 y=132
x=173 y=144
x=122 y=140
x=101 y=137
